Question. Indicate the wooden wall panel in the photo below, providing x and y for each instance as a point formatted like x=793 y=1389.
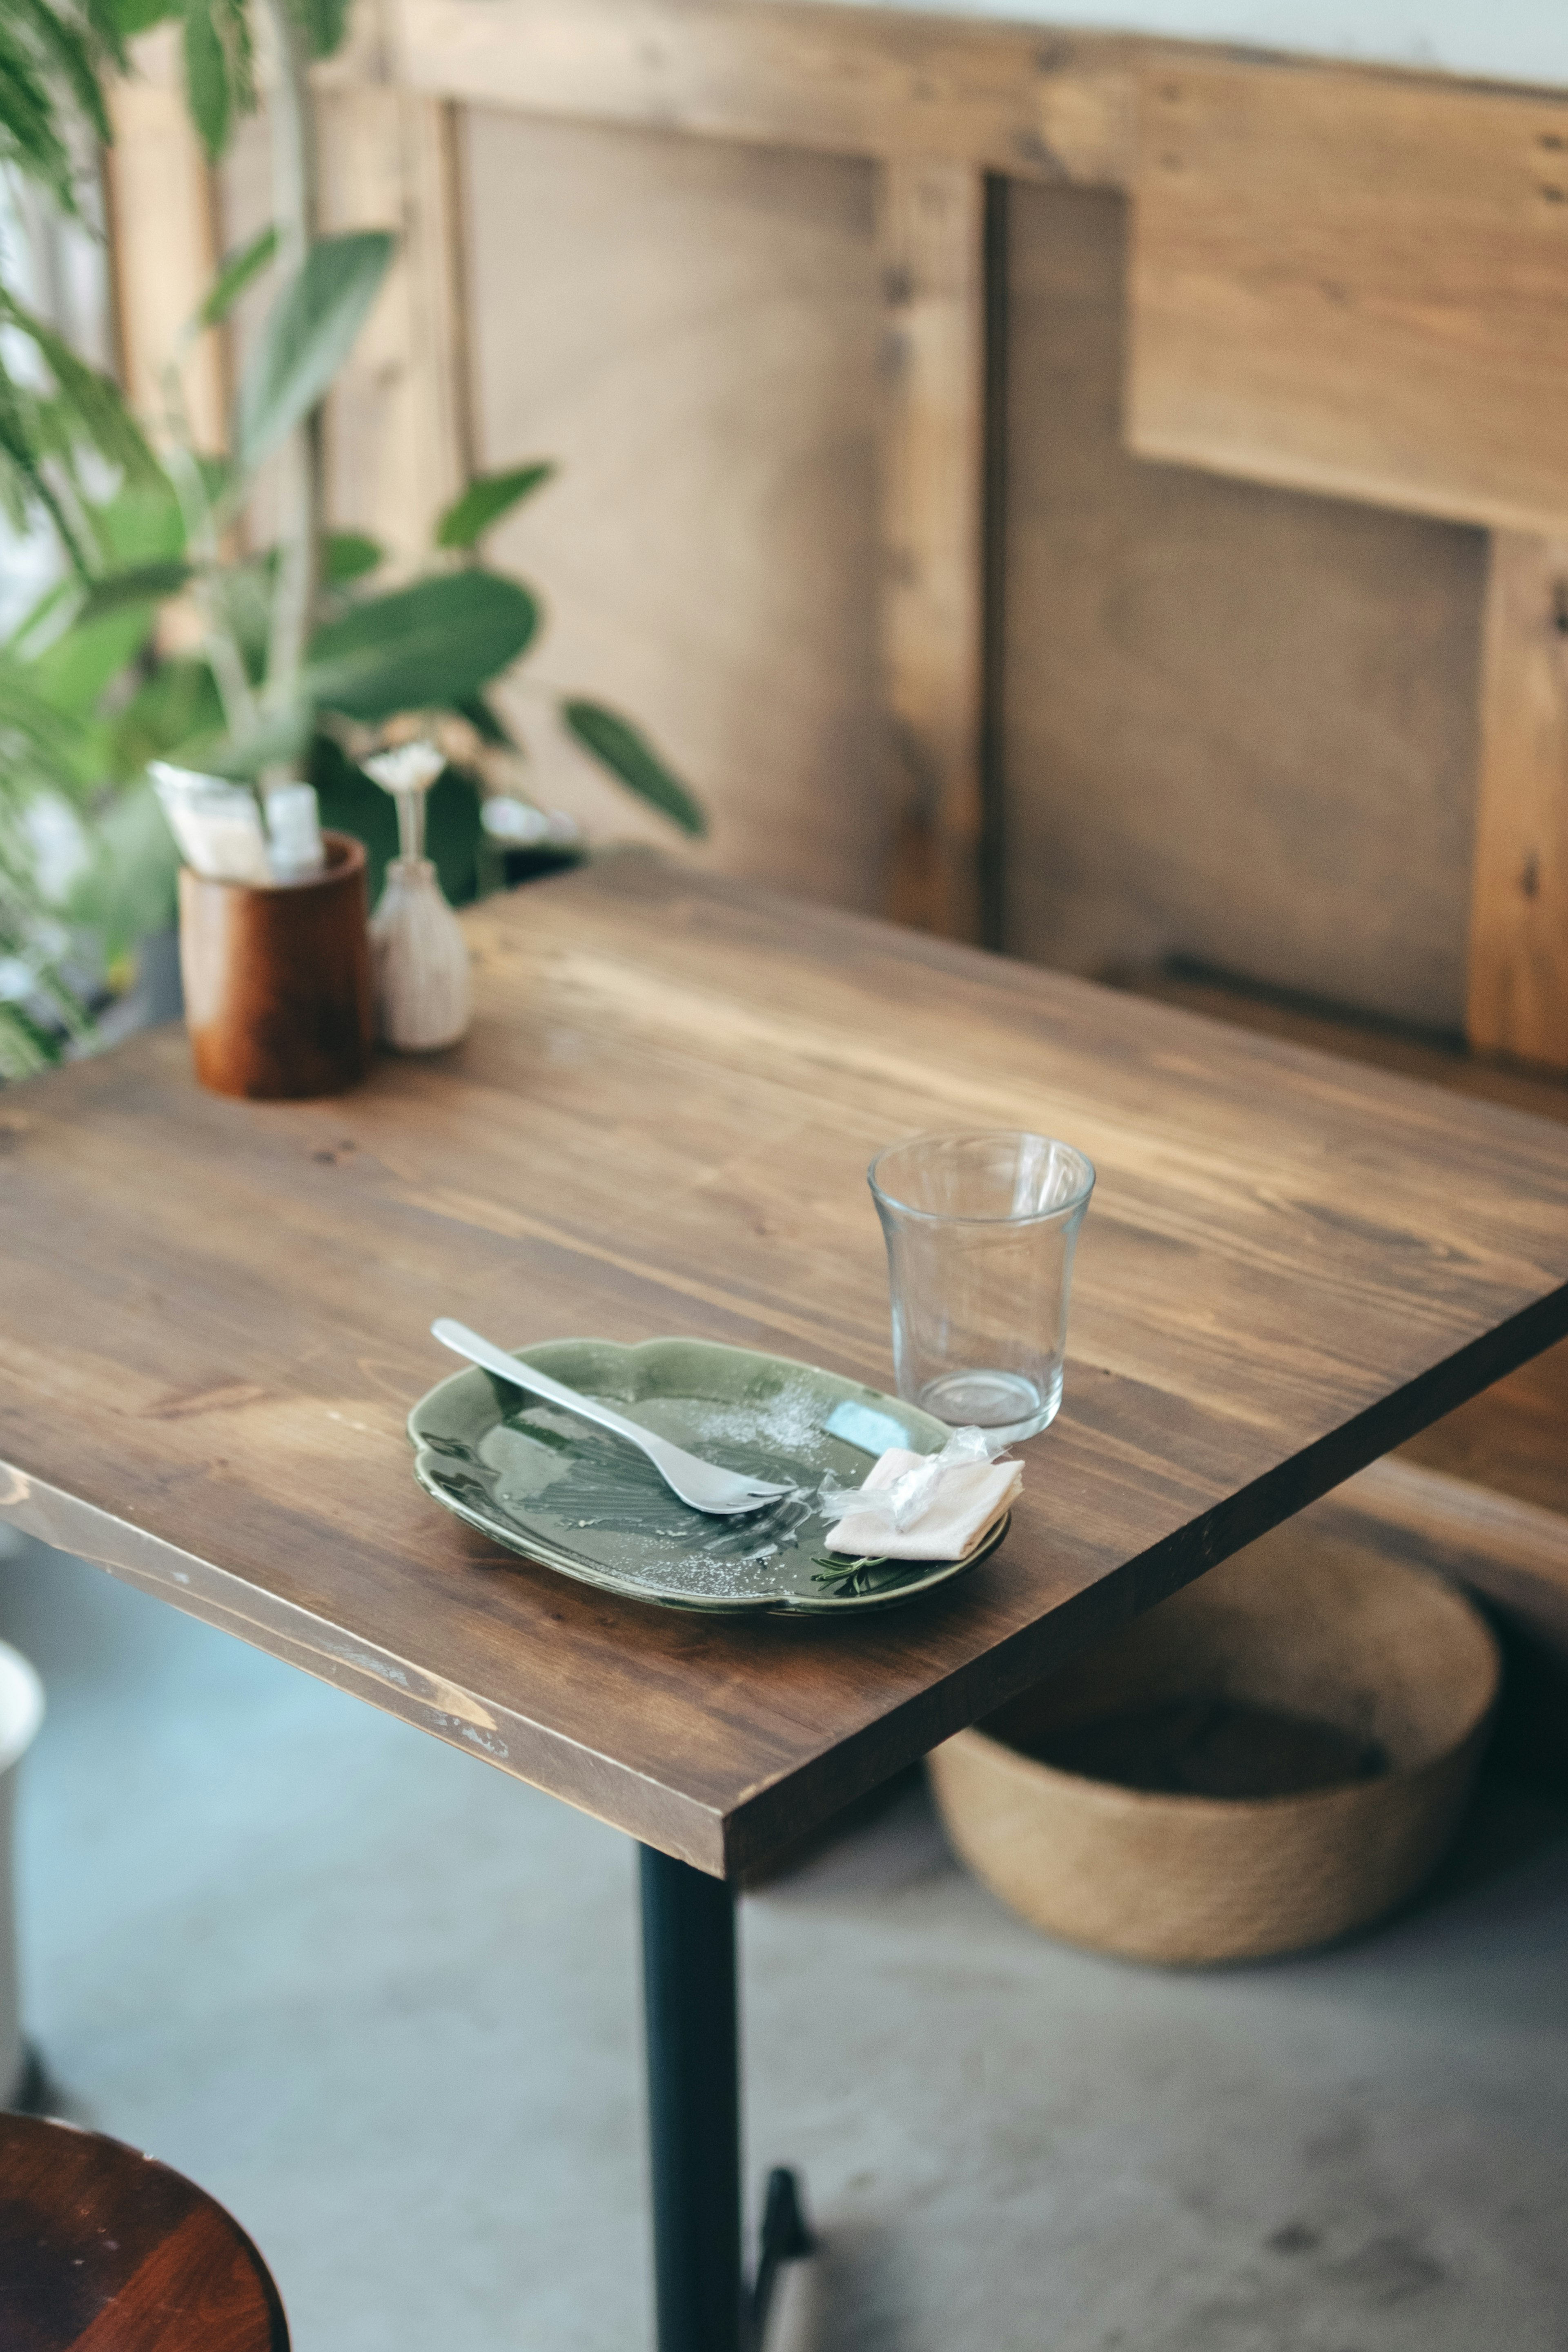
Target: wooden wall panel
x=931 y=244
x=1356 y=283
x=836 y=80
x=1239 y=723
x=163 y=227
x=691 y=329
x=1519 y=909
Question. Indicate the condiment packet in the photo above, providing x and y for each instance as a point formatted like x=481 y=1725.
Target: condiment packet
x=216 y=825
x=924 y=1506
x=294 y=833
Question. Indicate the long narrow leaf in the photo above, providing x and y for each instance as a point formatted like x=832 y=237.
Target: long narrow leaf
x=110 y=23
x=617 y=745
x=307 y=336
x=93 y=399
x=207 y=89
x=18 y=448
x=31 y=630
x=30 y=133
x=486 y=500
x=143 y=583
x=33 y=733
x=23 y=1050
x=71 y=56
x=237 y=274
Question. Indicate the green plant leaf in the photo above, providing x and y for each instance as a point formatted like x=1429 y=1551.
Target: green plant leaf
x=21 y=466
x=30 y=130
x=69 y=52
x=102 y=18
x=486 y=722
x=142 y=533
x=86 y=658
x=94 y=400
x=140 y=525
x=276 y=741
x=32 y=630
x=307 y=336
x=348 y=555
x=206 y=77
x=143 y=583
x=324 y=22
x=129 y=889
x=130 y=17
x=39 y=744
x=219 y=77
x=231 y=279
x=23 y=1048
x=486 y=500
x=178 y=705
x=617 y=745
x=421 y=649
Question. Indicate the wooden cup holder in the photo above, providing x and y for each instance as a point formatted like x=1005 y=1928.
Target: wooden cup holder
x=278 y=979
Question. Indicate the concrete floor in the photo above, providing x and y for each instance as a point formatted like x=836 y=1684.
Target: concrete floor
x=384 y=2003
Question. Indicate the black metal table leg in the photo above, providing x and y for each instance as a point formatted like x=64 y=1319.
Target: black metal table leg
x=694 y=2120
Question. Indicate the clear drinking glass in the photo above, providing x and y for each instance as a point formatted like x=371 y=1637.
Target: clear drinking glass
x=980 y=1231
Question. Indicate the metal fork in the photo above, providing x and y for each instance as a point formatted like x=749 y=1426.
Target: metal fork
x=723 y=1494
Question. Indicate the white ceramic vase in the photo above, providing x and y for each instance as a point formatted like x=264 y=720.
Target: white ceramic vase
x=423 y=999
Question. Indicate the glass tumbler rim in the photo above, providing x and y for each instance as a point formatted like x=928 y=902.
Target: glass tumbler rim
x=1076 y=1202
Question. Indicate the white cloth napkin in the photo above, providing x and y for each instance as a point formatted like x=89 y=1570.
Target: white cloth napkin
x=969 y=1499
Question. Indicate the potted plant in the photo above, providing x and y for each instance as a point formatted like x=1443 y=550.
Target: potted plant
x=302 y=662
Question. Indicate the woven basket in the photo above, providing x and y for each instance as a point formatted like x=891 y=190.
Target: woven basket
x=1298 y=1623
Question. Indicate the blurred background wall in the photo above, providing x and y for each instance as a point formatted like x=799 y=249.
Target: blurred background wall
x=1523 y=41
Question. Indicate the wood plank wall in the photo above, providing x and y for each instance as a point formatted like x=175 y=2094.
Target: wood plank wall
x=1238 y=721
x=691 y=329
x=725 y=261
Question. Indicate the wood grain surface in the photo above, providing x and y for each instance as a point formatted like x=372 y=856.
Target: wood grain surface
x=844 y=81
x=213 y=1317
x=1238 y=723
x=1356 y=283
x=694 y=342
x=1511 y=1437
x=162 y=218
x=931 y=222
x=104 y=2250
x=1519 y=903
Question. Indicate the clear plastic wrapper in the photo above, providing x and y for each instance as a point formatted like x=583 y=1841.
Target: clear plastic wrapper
x=935 y=1490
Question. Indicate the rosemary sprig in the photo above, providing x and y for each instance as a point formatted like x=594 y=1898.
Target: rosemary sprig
x=840 y=1570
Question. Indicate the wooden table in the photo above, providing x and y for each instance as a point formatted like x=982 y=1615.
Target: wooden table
x=213 y=1317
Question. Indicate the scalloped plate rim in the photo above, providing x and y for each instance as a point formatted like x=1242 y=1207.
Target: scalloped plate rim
x=543 y=1554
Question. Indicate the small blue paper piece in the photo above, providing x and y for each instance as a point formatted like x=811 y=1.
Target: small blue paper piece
x=862 y=1426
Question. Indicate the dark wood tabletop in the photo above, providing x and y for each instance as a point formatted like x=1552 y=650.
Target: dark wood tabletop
x=213 y=1317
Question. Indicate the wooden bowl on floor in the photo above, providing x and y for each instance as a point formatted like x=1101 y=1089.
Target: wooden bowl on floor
x=1325 y=1632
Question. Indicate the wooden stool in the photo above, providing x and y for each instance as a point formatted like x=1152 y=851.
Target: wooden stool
x=104 y=2250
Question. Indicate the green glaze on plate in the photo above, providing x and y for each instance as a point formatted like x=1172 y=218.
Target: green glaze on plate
x=544 y=1484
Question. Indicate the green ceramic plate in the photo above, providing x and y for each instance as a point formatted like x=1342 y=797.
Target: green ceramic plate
x=551 y=1486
